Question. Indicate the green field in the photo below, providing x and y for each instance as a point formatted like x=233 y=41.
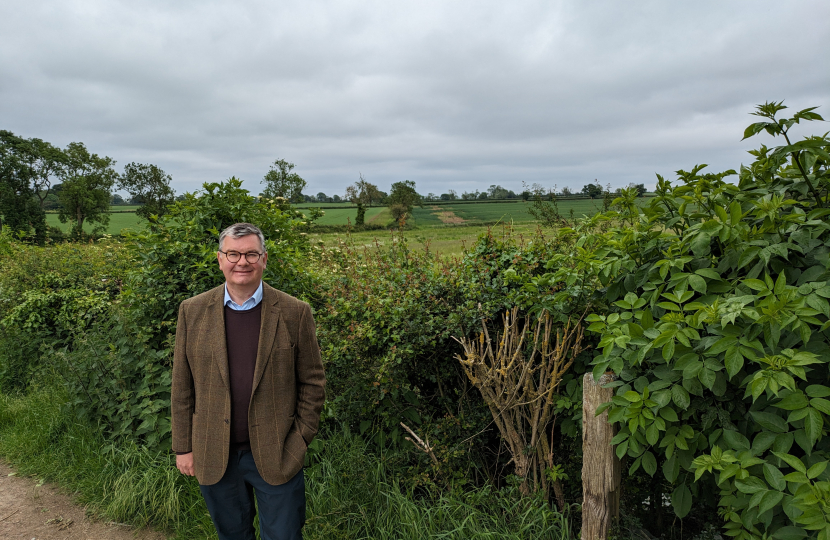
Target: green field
x=118 y=222
x=446 y=227
x=348 y=214
x=431 y=215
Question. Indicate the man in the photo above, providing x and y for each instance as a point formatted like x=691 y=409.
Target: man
x=248 y=388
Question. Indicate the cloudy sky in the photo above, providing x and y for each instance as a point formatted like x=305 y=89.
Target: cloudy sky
x=450 y=94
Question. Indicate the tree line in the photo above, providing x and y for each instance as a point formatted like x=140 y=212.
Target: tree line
x=36 y=175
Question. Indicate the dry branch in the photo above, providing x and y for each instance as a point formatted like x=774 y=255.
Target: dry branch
x=518 y=376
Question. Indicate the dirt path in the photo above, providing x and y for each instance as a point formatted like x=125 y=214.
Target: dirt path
x=32 y=512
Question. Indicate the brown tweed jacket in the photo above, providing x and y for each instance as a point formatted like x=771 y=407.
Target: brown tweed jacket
x=288 y=389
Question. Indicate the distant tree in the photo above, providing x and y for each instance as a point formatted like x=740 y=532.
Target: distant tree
x=592 y=190
x=363 y=194
x=511 y=194
x=87 y=181
x=20 y=205
x=321 y=197
x=117 y=200
x=566 y=191
x=336 y=198
x=150 y=185
x=525 y=195
x=453 y=195
x=641 y=188
x=445 y=197
x=471 y=196
x=402 y=199
x=281 y=182
x=482 y=196
x=496 y=192
x=43 y=162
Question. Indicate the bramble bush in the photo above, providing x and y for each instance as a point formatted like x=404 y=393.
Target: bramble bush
x=717 y=324
x=102 y=316
x=386 y=319
x=50 y=296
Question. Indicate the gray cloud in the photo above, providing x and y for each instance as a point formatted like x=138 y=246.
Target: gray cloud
x=451 y=95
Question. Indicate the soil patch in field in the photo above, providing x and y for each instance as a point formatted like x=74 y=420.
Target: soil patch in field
x=447 y=217
x=31 y=511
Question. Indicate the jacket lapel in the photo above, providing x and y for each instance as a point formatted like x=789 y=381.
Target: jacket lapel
x=271 y=317
x=219 y=343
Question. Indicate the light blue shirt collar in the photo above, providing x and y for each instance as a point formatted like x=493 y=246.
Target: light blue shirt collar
x=250 y=303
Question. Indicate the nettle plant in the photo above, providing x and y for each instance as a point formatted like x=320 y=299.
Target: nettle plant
x=717 y=325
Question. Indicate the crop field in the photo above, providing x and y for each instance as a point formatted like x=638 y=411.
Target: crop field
x=348 y=214
x=444 y=241
x=459 y=214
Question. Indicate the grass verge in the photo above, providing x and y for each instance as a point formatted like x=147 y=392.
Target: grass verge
x=352 y=494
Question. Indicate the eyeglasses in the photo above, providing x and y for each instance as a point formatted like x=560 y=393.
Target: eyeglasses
x=233 y=256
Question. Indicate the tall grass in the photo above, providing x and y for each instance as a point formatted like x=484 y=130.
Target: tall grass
x=352 y=494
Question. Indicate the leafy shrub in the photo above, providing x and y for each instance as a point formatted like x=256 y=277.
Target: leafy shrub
x=717 y=327
x=48 y=297
x=386 y=320
x=176 y=254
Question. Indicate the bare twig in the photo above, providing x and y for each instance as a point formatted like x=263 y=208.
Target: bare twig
x=10 y=515
x=422 y=445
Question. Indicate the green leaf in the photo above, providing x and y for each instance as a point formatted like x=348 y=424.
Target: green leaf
x=750 y=485
x=762 y=442
x=792 y=461
x=632 y=396
x=789 y=533
x=669 y=414
x=735 y=440
x=671 y=469
x=681 y=500
x=735 y=213
x=701 y=244
x=816 y=470
x=680 y=396
x=649 y=463
x=774 y=477
x=621 y=449
x=668 y=350
x=707 y=377
x=798 y=477
x=734 y=361
x=652 y=434
x=769 y=500
x=769 y=421
x=813 y=423
x=817 y=391
x=793 y=402
x=821 y=404
x=697 y=283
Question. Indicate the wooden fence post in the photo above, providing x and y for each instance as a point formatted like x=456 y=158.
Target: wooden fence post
x=600 y=466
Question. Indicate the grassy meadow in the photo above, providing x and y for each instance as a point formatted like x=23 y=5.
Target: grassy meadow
x=118 y=222
x=446 y=227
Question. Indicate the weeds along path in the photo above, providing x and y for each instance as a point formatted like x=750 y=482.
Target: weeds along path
x=29 y=511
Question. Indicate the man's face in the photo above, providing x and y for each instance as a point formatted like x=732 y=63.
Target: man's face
x=242 y=273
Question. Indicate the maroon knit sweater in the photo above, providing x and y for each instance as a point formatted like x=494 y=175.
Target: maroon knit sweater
x=242 y=335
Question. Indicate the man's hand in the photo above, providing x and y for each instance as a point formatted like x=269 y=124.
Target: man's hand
x=184 y=462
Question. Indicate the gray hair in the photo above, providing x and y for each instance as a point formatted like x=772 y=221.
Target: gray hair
x=238 y=230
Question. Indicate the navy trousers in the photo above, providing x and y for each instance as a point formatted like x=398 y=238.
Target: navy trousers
x=231 y=503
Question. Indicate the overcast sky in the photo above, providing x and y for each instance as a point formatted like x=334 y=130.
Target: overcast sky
x=452 y=95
